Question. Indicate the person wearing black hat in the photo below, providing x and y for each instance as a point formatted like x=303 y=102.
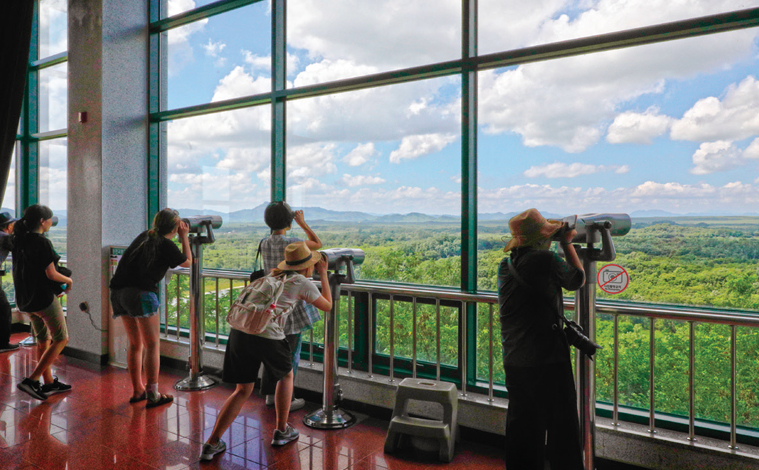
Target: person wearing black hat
x=541 y=422
x=6 y=228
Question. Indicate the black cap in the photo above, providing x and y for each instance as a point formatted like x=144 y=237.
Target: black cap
x=5 y=219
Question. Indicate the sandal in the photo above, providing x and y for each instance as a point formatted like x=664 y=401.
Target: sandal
x=142 y=396
x=164 y=399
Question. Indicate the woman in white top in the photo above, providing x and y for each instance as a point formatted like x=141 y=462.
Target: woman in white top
x=245 y=352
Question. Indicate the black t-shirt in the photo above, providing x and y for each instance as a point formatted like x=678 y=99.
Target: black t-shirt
x=530 y=330
x=32 y=254
x=145 y=263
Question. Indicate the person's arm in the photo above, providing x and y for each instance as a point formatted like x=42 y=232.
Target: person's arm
x=313 y=241
x=571 y=253
x=324 y=302
x=54 y=275
x=182 y=231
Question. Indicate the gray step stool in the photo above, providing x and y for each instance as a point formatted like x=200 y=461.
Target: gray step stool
x=402 y=425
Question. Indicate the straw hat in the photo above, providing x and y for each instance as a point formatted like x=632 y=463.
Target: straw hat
x=299 y=256
x=530 y=227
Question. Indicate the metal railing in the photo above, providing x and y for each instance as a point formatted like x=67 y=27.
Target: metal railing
x=415 y=295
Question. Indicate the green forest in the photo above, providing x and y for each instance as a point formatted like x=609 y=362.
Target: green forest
x=703 y=262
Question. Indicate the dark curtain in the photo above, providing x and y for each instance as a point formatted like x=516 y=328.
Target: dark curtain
x=15 y=35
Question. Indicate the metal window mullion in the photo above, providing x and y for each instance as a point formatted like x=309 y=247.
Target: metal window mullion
x=278 y=107
x=652 y=361
x=733 y=386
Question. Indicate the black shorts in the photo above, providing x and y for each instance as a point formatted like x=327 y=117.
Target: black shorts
x=245 y=354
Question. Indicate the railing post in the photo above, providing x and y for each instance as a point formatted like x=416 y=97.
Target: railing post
x=692 y=383
x=651 y=383
x=733 y=394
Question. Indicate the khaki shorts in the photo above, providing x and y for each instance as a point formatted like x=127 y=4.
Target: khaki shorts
x=49 y=322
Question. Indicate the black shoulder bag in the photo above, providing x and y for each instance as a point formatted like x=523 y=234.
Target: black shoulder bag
x=572 y=330
x=258 y=273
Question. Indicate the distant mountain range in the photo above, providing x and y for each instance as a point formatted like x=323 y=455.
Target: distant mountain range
x=256 y=215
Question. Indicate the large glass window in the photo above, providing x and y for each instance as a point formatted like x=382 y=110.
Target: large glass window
x=53 y=187
x=53 y=27
x=53 y=98
x=210 y=60
x=219 y=164
x=380 y=170
x=512 y=25
x=337 y=39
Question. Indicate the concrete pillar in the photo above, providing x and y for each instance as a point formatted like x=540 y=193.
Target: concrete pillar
x=107 y=154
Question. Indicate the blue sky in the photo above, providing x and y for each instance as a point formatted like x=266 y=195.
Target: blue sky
x=662 y=127
x=671 y=127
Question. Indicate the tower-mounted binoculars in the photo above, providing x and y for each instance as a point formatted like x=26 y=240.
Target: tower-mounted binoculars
x=589 y=226
x=198 y=223
x=344 y=258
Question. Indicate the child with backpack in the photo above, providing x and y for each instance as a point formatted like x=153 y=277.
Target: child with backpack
x=279 y=218
x=246 y=352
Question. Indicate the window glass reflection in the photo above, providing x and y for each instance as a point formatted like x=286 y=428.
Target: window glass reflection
x=380 y=169
x=53 y=187
x=219 y=164
x=53 y=98
x=53 y=27
x=547 y=21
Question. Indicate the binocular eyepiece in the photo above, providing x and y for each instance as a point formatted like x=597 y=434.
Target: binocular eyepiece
x=197 y=222
x=339 y=259
x=55 y=220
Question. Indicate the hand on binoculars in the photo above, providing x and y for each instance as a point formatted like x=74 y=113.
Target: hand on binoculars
x=183 y=229
x=569 y=235
x=321 y=266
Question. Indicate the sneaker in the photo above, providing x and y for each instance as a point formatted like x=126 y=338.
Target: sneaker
x=32 y=388
x=55 y=387
x=297 y=404
x=281 y=438
x=10 y=347
x=269 y=400
x=209 y=450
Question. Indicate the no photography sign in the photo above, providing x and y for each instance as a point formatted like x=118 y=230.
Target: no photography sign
x=613 y=279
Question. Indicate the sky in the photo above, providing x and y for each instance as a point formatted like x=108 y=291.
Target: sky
x=670 y=127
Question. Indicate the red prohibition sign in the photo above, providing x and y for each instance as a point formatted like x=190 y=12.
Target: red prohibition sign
x=613 y=279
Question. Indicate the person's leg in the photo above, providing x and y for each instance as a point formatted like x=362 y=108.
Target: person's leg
x=564 y=444
x=296 y=342
x=134 y=355
x=229 y=411
x=150 y=334
x=56 y=324
x=5 y=320
x=525 y=419
x=282 y=398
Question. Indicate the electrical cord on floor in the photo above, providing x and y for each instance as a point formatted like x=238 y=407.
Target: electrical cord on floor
x=86 y=309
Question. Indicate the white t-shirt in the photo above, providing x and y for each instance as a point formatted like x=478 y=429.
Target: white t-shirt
x=297 y=287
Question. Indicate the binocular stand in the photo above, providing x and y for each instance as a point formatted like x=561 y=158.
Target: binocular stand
x=197 y=381
x=329 y=416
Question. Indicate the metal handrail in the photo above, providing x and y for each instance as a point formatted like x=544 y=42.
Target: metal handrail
x=412 y=294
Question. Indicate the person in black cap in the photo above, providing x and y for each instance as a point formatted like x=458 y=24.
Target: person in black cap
x=6 y=228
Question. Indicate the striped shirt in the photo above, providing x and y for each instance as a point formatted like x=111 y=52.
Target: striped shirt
x=303 y=315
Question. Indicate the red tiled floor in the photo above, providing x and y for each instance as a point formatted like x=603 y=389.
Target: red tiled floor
x=94 y=427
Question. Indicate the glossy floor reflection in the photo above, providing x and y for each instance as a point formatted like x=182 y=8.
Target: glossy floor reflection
x=95 y=427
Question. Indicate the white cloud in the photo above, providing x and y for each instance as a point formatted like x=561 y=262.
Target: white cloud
x=363 y=153
x=572 y=170
x=752 y=151
x=240 y=83
x=213 y=49
x=638 y=128
x=415 y=146
x=264 y=62
x=568 y=102
x=305 y=162
x=715 y=156
x=360 y=180
x=179 y=6
x=734 y=117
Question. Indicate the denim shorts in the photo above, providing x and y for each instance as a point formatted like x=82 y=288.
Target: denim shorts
x=133 y=302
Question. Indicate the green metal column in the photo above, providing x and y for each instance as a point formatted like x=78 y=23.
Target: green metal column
x=27 y=164
x=469 y=185
x=278 y=83
x=157 y=139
